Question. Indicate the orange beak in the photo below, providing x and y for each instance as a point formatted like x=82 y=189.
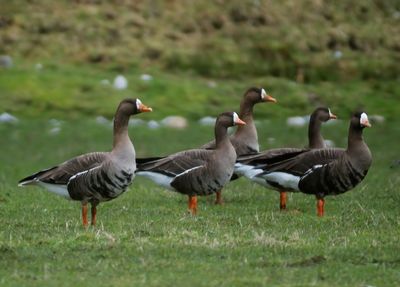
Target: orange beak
x=144 y=109
x=268 y=98
x=332 y=117
x=366 y=124
x=239 y=122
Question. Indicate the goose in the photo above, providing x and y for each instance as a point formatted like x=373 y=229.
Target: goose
x=197 y=171
x=245 y=139
x=98 y=176
x=315 y=141
x=322 y=172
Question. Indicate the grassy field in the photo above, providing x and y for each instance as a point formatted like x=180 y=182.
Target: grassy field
x=146 y=238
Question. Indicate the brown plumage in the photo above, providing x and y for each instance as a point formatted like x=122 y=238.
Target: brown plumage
x=320 y=172
x=315 y=140
x=98 y=176
x=245 y=139
x=197 y=171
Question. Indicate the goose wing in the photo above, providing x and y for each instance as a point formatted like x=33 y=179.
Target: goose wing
x=176 y=164
x=304 y=162
x=62 y=173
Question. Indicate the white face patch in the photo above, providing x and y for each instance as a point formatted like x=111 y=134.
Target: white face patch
x=138 y=104
x=263 y=94
x=330 y=114
x=363 y=119
x=235 y=117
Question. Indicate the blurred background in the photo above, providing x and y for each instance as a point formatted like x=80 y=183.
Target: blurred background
x=73 y=59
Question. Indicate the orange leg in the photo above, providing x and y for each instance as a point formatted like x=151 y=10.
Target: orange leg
x=320 y=206
x=193 y=204
x=218 y=198
x=283 y=199
x=94 y=211
x=84 y=214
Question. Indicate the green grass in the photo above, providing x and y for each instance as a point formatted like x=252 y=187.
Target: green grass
x=213 y=38
x=73 y=91
x=146 y=238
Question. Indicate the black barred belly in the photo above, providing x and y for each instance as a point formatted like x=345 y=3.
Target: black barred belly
x=104 y=187
x=331 y=180
x=202 y=185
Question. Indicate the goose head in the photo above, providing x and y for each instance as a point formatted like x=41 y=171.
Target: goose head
x=359 y=120
x=323 y=114
x=258 y=95
x=229 y=119
x=133 y=106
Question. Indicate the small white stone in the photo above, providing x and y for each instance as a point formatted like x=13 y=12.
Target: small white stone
x=136 y=122
x=377 y=119
x=55 y=123
x=337 y=54
x=153 y=125
x=212 y=84
x=329 y=143
x=6 y=61
x=120 y=82
x=105 y=82
x=38 y=66
x=54 y=130
x=146 y=77
x=176 y=122
x=102 y=120
x=296 y=121
x=8 y=118
x=207 y=121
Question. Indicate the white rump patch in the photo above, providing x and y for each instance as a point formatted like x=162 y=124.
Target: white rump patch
x=159 y=178
x=58 y=189
x=286 y=180
x=248 y=171
x=263 y=94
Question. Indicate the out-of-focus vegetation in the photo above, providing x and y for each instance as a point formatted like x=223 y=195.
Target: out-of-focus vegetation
x=307 y=40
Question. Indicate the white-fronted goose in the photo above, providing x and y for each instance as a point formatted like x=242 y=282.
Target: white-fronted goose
x=97 y=176
x=197 y=171
x=321 y=172
x=245 y=139
x=315 y=140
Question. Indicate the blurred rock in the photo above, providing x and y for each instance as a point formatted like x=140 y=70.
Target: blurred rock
x=120 y=82
x=211 y=84
x=297 y=121
x=153 y=125
x=176 y=122
x=54 y=130
x=337 y=54
x=55 y=123
x=271 y=140
x=8 y=118
x=6 y=61
x=376 y=119
x=105 y=82
x=329 y=143
x=136 y=122
x=395 y=163
x=207 y=121
x=102 y=120
x=146 y=77
x=38 y=66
